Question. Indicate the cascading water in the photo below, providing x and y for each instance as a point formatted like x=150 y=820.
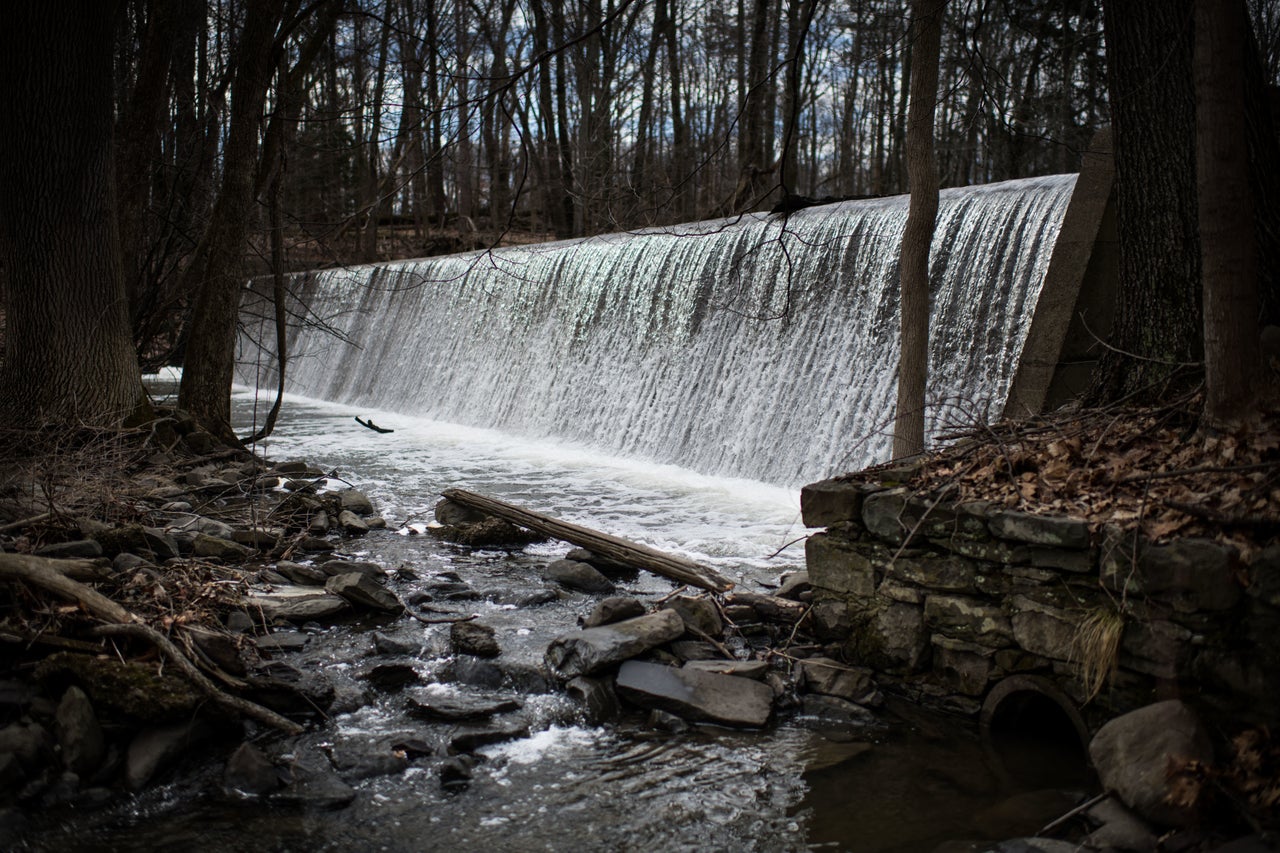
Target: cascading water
x=763 y=346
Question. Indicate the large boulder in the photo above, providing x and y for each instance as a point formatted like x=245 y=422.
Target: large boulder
x=696 y=695
x=1133 y=753
x=592 y=649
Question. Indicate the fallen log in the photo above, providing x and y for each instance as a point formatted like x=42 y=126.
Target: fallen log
x=614 y=548
x=770 y=607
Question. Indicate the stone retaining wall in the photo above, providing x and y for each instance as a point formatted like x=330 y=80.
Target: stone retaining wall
x=946 y=601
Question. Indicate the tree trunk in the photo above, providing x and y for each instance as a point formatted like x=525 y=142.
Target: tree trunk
x=1158 y=310
x=1228 y=247
x=69 y=357
x=922 y=172
x=216 y=275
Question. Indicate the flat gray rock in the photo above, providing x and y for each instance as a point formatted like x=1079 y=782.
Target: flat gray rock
x=580 y=576
x=695 y=695
x=754 y=669
x=296 y=603
x=461 y=706
x=364 y=591
x=584 y=652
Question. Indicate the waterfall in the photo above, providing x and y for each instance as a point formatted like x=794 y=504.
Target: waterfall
x=759 y=346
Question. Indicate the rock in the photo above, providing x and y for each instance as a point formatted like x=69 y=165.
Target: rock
x=314 y=543
x=1053 y=531
x=78 y=549
x=1132 y=755
x=831 y=678
x=355 y=502
x=536 y=599
x=288 y=690
x=837 y=566
x=460 y=706
x=300 y=574
x=1191 y=574
x=830 y=621
x=892 y=636
x=691 y=650
x=597 y=697
x=79 y=735
x=667 y=722
x=221 y=648
x=489 y=533
x=389 y=644
x=296 y=603
x=609 y=568
x=741 y=614
x=934 y=571
x=699 y=614
x=471 y=738
x=239 y=622
x=472 y=638
x=613 y=609
x=455 y=773
x=1034 y=845
x=967 y=618
x=199 y=524
x=832 y=709
x=342 y=567
x=693 y=695
x=1023 y=813
x=29 y=743
x=357 y=764
x=364 y=591
x=214 y=547
x=142 y=692
x=261 y=538
x=1120 y=829
x=1043 y=629
x=580 y=576
x=592 y=649
x=250 y=773
x=315 y=787
x=453 y=514
x=352 y=523
x=833 y=501
x=281 y=642
x=755 y=669
x=390 y=677
x=794 y=584
x=126 y=562
x=156 y=749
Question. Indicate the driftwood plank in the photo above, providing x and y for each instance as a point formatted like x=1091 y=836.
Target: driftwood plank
x=614 y=548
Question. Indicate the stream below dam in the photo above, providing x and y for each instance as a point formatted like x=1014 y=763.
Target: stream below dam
x=910 y=781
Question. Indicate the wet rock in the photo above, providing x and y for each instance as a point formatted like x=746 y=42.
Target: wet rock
x=314 y=787
x=597 y=696
x=832 y=709
x=296 y=604
x=287 y=690
x=154 y=750
x=356 y=764
x=741 y=614
x=261 y=538
x=352 y=523
x=478 y=672
x=198 y=524
x=318 y=525
x=79 y=735
x=609 y=568
x=831 y=678
x=77 y=549
x=339 y=566
x=356 y=502
x=1053 y=531
x=1023 y=813
x=1119 y=828
x=214 y=547
x=393 y=644
x=829 y=621
x=455 y=773
x=471 y=738
x=592 y=649
x=390 y=677
x=472 y=638
x=250 y=773
x=453 y=514
x=695 y=695
x=1133 y=751
x=537 y=599
x=297 y=466
x=460 y=706
x=667 y=722
x=578 y=576
x=300 y=574
x=613 y=609
x=281 y=642
x=699 y=614
x=363 y=591
x=489 y=533
x=794 y=585
x=742 y=668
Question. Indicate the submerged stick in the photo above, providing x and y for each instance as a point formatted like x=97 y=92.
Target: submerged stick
x=614 y=548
